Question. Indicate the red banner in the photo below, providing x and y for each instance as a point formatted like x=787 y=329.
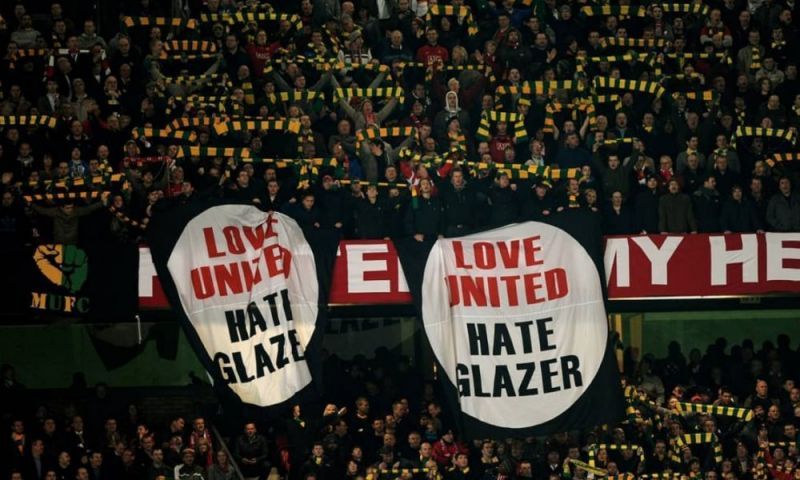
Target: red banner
x=368 y=272
x=642 y=267
x=702 y=266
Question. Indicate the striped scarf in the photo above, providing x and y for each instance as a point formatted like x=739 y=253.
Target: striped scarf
x=29 y=120
x=290 y=125
x=383 y=92
x=189 y=23
x=755 y=59
x=625 y=84
x=197 y=151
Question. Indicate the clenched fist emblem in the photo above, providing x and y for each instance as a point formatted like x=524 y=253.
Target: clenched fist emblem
x=64 y=265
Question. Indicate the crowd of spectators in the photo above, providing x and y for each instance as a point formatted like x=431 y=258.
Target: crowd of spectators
x=475 y=113
x=384 y=420
x=505 y=111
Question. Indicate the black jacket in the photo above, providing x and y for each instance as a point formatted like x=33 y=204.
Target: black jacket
x=707 y=210
x=459 y=207
x=646 y=211
x=425 y=216
x=740 y=217
x=618 y=223
x=370 y=218
x=331 y=203
x=504 y=206
x=534 y=207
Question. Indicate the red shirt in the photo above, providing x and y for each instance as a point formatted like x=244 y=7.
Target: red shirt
x=429 y=54
x=497 y=147
x=259 y=56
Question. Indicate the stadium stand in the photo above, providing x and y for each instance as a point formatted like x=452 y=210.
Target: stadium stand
x=407 y=118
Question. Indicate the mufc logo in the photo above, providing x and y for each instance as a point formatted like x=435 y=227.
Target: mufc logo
x=64 y=265
x=67 y=268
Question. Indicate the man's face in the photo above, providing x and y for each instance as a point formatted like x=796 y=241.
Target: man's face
x=425 y=450
x=199 y=425
x=243 y=179
x=673 y=187
x=432 y=36
x=8 y=199
x=458 y=178
x=572 y=141
x=37 y=448
x=317 y=451
x=231 y=43
x=761 y=388
x=250 y=428
x=785 y=187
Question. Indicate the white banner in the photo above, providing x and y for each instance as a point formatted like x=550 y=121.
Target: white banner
x=248 y=284
x=515 y=317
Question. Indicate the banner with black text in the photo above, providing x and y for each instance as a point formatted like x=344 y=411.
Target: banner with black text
x=244 y=282
x=516 y=319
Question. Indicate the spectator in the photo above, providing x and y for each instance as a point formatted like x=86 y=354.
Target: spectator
x=188 y=469
x=707 y=205
x=66 y=218
x=371 y=215
x=250 y=452
x=222 y=468
x=725 y=177
x=739 y=214
x=646 y=207
x=573 y=156
x=25 y=36
x=783 y=210
x=675 y=211
x=618 y=217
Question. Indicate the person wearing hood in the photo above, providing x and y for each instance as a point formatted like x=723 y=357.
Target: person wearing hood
x=467 y=96
x=451 y=110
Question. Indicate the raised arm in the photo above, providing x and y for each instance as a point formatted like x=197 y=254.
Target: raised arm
x=44 y=211
x=378 y=80
x=387 y=109
x=323 y=80
x=280 y=82
x=344 y=103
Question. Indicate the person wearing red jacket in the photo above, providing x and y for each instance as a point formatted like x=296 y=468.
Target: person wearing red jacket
x=432 y=53
x=500 y=141
x=446 y=448
x=784 y=470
